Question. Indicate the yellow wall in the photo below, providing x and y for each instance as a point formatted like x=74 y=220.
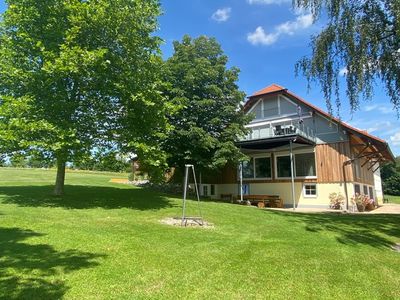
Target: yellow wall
x=284 y=190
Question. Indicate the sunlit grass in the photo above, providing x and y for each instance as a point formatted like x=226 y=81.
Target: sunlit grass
x=105 y=241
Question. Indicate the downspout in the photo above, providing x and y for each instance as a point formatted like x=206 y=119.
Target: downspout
x=347 y=162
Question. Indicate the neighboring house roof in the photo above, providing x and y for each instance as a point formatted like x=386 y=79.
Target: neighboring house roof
x=378 y=143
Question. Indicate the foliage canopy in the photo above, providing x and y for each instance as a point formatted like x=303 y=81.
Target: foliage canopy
x=75 y=75
x=361 y=40
x=208 y=117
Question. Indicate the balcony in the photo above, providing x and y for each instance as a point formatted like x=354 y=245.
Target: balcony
x=279 y=130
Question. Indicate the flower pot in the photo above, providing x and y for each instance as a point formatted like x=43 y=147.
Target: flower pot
x=369 y=207
x=360 y=207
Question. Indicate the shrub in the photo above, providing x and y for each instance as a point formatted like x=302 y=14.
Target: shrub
x=363 y=202
x=336 y=200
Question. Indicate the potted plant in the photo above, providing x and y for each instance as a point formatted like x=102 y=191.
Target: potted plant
x=358 y=200
x=336 y=200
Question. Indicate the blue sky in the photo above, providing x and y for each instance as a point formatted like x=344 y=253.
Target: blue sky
x=264 y=39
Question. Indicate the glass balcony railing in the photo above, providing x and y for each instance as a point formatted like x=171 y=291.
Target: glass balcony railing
x=280 y=129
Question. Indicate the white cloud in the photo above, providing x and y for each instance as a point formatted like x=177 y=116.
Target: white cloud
x=259 y=36
x=370 y=107
x=378 y=107
x=267 y=2
x=395 y=139
x=222 y=14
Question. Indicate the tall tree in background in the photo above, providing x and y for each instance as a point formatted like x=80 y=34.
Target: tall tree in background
x=208 y=116
x=390 y=174
x=75 y=75
x=362 y=40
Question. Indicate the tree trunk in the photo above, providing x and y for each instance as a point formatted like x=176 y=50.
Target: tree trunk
x=59 y=187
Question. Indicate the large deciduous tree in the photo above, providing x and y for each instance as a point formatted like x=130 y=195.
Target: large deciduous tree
x=362 y=40
x=76 y=75
x=208 y=118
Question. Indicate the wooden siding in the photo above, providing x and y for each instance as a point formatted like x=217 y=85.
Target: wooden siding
x=366 y=176
x=329 y=162
x=329 y=159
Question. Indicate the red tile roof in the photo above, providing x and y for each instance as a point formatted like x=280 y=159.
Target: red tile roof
x=269 y=89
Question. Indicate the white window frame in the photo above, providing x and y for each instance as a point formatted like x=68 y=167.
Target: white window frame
x=304 y=190
x=206 y=186
x=254 y=157
x=304 y=151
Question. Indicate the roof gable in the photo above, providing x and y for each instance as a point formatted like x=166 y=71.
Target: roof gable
x=277 y=89
x=269 y=89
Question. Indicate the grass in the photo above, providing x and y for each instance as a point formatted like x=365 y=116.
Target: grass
x=393 y=199
x=105 y=241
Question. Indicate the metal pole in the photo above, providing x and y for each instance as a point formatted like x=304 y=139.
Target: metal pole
x=197 y=193
x=241 y=181
x=346 y=192
x=184 y=193
x=292 y=174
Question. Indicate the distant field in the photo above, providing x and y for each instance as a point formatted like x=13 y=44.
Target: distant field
x=105 y=241
x=393 y=199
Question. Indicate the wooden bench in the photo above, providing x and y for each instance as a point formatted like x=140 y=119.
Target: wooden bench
x=264 y=200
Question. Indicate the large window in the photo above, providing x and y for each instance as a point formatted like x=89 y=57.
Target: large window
x=283 y=166
x=304 y=165
x=262 y=167
x=248 y=168
x=257 y=167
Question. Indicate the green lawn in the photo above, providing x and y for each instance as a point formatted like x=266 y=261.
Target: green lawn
x=105 y=241
x=393 y=199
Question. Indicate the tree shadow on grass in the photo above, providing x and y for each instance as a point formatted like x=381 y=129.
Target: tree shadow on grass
x=29 y=271
x=85 y=197
x=374 y=230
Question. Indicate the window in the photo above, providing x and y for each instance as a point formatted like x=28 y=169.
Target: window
x=371 y=193
x=257 y=167
x=248 y=169
x=357 y=189
x=205 y=190
x=305 y=164
x=365 y=190
x=310 y=190
x=262 y=167
x=212 y=189
x=258 y=111
x=270 y=108
x=283 y=166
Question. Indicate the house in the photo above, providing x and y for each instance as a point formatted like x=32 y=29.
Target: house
x=302 y=154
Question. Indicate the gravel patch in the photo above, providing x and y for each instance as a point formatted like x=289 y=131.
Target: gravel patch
x=188 y=222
